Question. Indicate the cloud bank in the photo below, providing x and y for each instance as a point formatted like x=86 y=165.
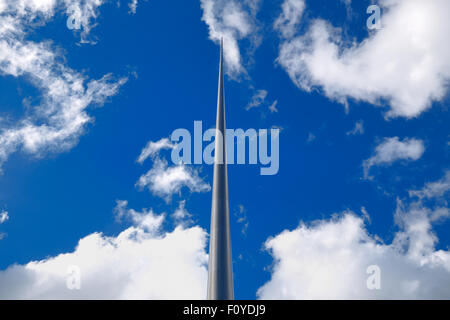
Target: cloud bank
x=142 y=262
x=329 y=259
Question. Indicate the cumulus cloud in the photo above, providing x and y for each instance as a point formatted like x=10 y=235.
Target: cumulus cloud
x=165 y=181
x=391 y=150
x=405 y=65
x=144 y=261
x=59 y=120
x=330 y=259
x=233 y=21
x=139 y=263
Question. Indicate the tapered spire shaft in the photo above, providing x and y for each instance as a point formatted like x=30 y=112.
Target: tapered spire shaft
x=220 y=278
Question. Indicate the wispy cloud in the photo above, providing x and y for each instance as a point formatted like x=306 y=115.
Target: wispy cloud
x=152 y=149
x=311 y=137
x=4 y=216
x=273 y=107
x=258 y=98
x=358 y=129
x=181 y=216
x=393 y=149
x=241 y=218
x=133 y=6
x=81 y=16
x=290 y=17
x=55 y=124
x=233 y=21
x=147 y=219
x=434 y=189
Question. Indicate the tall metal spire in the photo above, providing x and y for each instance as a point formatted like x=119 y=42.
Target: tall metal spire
x=220 y=278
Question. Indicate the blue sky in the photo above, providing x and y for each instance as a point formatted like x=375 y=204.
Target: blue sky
x=163 y=62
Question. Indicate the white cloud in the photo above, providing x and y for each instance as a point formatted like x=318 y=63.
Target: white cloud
x=391 y=150
x=358 y=129
x=366 y=215
x=60 y=119
x=137 y=264
x=146 y=220
x=165 y=181
x=311 y=137
x=241 y=218
x=405 y=65
x=28 y=7
x=258 y=98
x=233 y=21
x=133 y=6
x=434 y=189
x=152 y=149
x=81 y=14
x=328 y=259
x=4 y=216
x=273 y=107
x=288 y=21
x=181 y=216
x=143 y=261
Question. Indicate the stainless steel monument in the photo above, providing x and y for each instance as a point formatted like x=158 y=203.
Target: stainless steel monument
x=220 y=278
